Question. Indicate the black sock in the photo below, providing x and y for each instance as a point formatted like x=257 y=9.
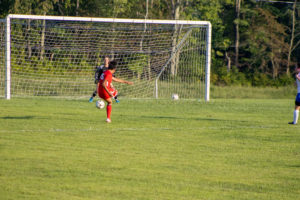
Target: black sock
x=94 y=94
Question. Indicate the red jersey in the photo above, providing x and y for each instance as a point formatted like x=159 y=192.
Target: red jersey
x=107 y=75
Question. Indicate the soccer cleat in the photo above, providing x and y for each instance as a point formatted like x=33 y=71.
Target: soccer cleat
x=91 y=99
x=117 y=100
x=292 y=123
x=108 y=120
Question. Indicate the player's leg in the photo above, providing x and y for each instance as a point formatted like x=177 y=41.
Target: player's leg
x=116 y=99
x=296 y=115
x=106 y=97
x=94 y=94
x=114 y=92
x=108 y=109
x=296 y=111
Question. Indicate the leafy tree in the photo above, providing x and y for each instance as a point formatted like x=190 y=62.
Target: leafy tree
x=294 y=32
x=266 y=44
x=260 y=38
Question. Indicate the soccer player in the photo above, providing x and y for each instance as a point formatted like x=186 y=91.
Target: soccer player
x=297 y=102
x=98 y=71
x=105 y=89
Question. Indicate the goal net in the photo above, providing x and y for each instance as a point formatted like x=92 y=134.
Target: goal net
x=57 y=56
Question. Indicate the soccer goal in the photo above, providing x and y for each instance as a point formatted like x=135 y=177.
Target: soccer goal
x=57 y=56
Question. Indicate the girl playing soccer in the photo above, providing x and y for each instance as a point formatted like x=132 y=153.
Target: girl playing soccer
x=105 y=90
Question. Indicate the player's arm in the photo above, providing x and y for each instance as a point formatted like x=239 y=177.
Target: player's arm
x=298 y=76
x=105 y=88
x=121 y=81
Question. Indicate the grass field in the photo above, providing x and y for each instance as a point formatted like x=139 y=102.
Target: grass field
x=222 y=150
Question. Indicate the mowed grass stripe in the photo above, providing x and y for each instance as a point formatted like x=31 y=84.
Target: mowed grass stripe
x=226 y=149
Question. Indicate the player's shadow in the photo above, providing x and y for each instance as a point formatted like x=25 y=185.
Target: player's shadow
x=184 y=118
x=161 y=117
x=193 y=118
x=18 y=117
x=294 y=166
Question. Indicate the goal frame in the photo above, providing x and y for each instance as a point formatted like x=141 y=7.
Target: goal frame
x=117 y=20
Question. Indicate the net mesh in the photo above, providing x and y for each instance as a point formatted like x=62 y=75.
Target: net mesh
x=58 y=58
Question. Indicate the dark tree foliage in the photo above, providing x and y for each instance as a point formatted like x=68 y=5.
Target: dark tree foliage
x=269 y=32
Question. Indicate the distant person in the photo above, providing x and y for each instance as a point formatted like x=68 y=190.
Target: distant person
x=105 y=89
x=98 y=71
x=297 y=101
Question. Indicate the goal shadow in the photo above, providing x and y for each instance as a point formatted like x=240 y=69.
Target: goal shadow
x=22 y=117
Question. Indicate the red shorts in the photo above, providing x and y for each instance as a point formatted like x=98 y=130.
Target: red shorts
x=104 y=95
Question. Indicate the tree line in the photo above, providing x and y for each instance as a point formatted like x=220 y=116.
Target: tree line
x=255 y=42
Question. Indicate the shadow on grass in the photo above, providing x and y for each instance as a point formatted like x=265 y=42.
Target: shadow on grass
x=20 y=117
x=294 y=166
x=191 y=118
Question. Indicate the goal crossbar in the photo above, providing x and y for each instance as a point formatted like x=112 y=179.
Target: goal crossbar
x=113 y=20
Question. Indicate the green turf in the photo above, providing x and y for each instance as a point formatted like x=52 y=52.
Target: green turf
x=243 y=92
x=222 y=150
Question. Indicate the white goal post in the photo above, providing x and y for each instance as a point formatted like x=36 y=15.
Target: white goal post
x=57 y=56
x=2 y=57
